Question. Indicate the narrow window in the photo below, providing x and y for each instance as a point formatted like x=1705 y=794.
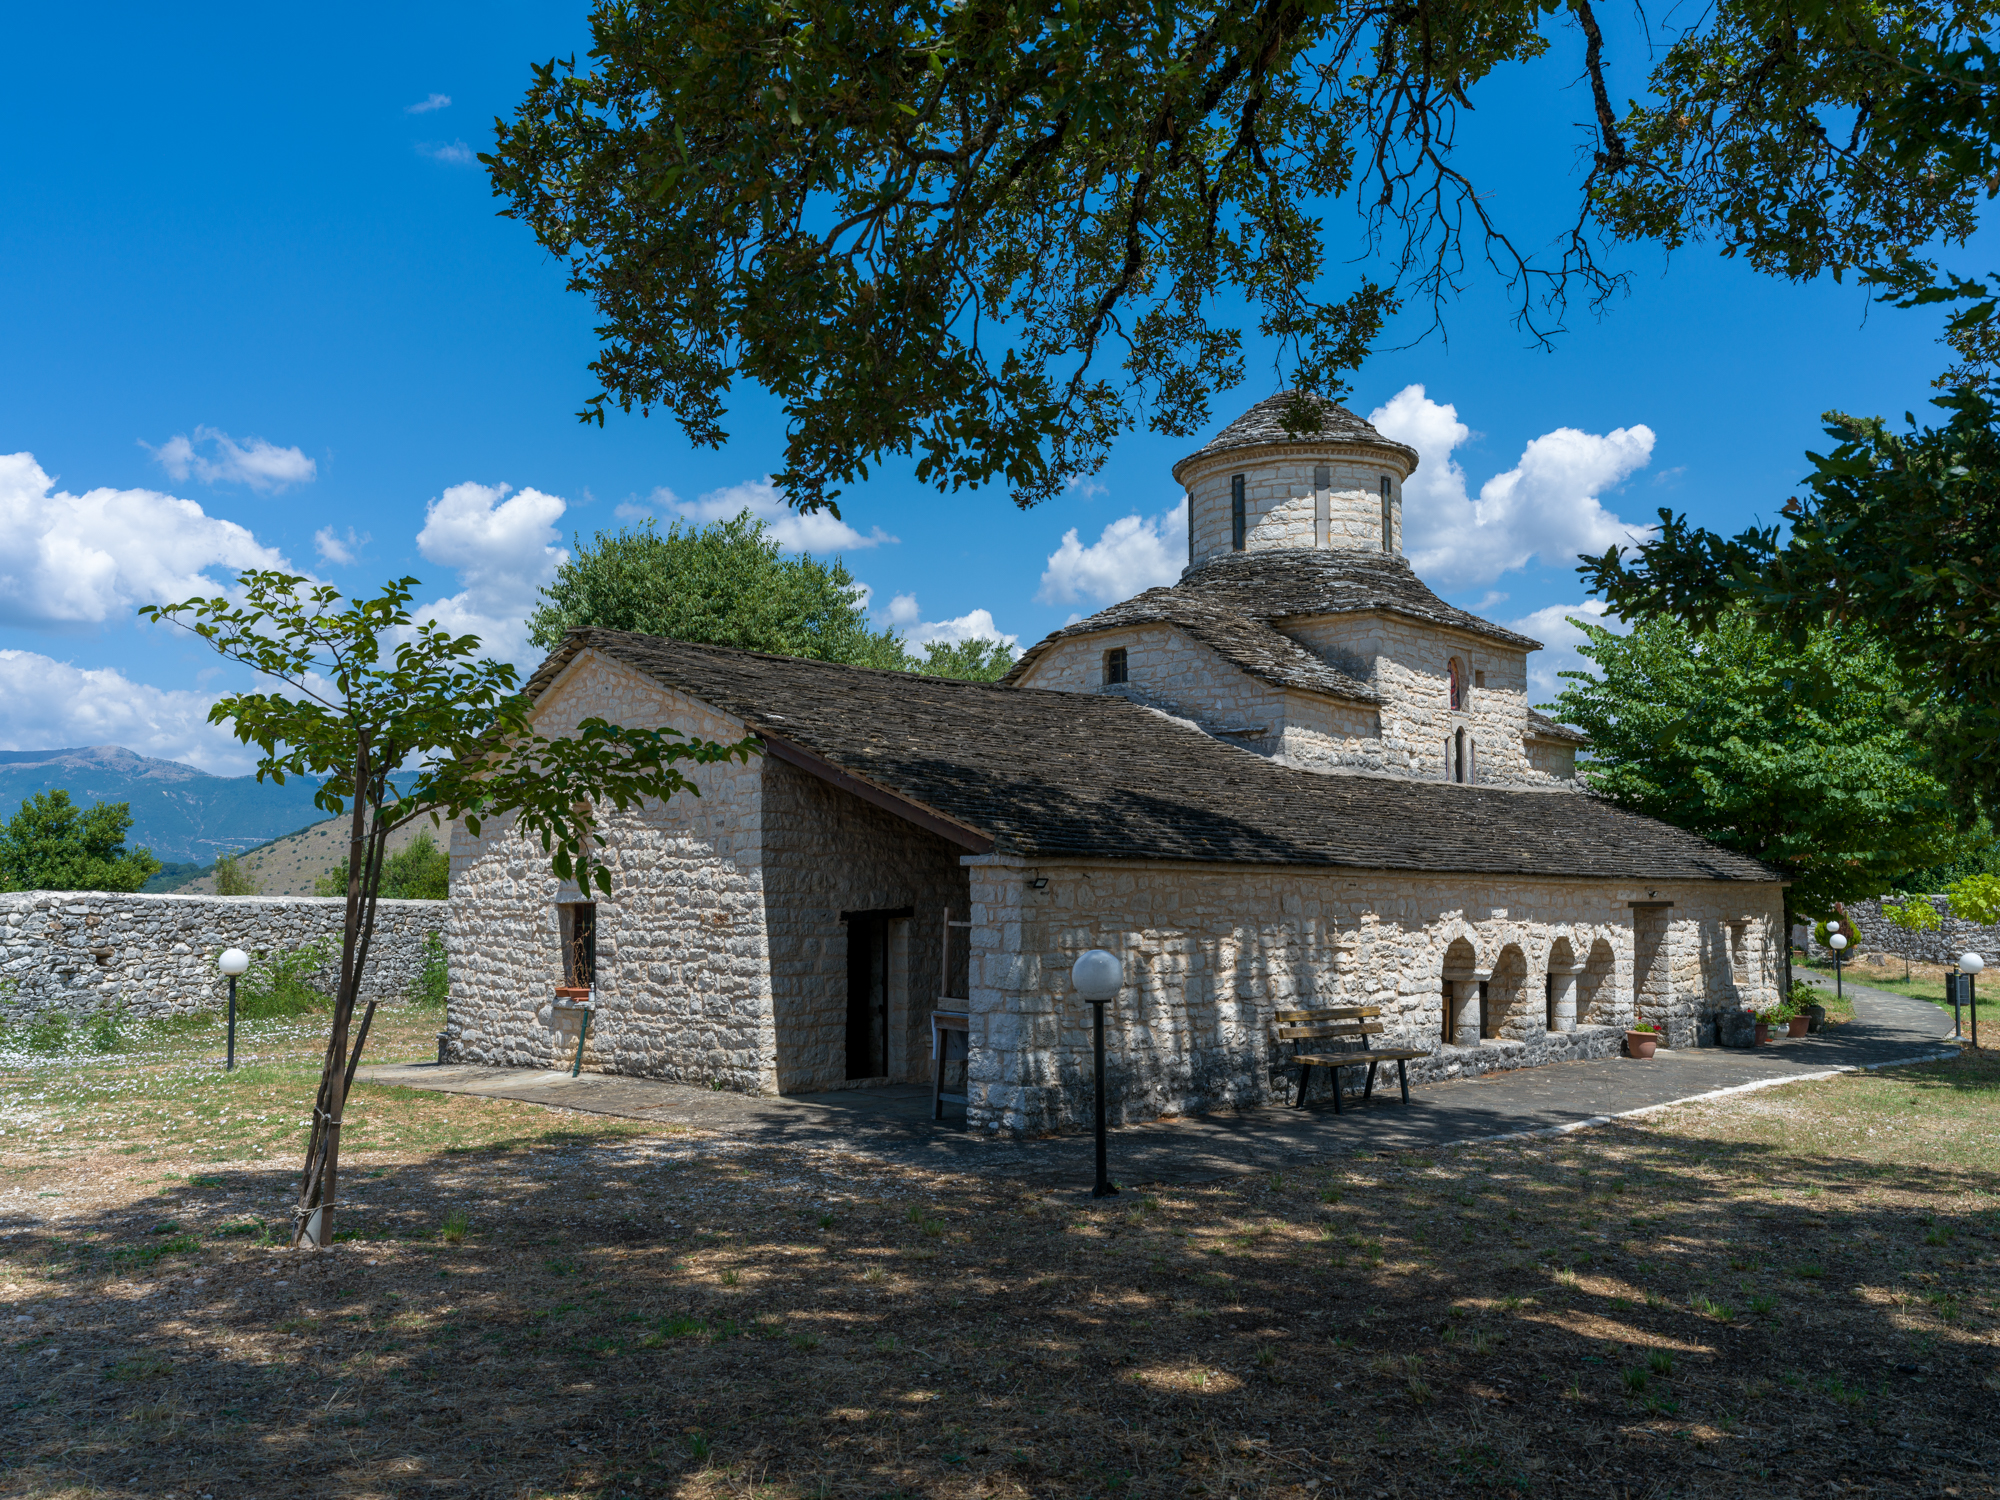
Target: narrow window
x=1114 y=665
x=1549 y=999
x=1322 y=506
x=1458 y=757
x=1479 y=679
x=578 y=926
x=1388 y=518
x=1457 y=685
x=1236 y=517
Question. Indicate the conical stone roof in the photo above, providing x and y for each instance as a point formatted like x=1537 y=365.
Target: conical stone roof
x=1264 y=424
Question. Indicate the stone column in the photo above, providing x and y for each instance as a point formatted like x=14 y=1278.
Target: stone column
x=1565 y=982
x=1462 y=1009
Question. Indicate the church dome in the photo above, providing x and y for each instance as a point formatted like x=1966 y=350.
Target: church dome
x=1255 y=486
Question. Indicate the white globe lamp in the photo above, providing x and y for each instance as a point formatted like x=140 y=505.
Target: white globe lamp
x=233 y=962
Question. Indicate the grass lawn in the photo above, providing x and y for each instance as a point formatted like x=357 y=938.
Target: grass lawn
x=1791 y=1292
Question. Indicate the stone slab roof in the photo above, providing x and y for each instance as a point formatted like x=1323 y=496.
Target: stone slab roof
x=1264 y=424
x=1278 y=583
x=1542 y=727
x=1048 y=775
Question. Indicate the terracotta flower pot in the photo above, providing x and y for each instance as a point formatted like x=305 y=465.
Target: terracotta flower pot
x=1797 y=1025
x=573 y=994
x=1763 y=1033
x=1641 y=1043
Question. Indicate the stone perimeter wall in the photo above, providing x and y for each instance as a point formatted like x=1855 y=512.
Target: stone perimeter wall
x=1211 y=953
x=1879 y=935
x=79 y=952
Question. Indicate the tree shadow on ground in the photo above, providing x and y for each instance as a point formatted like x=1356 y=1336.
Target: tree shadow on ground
x=1630 y=1311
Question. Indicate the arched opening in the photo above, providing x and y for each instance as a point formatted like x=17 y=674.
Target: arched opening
x=1560 y=987
x=1597 y=995
x=1506 y=996
x=1456 y=670
x=1460 y=1023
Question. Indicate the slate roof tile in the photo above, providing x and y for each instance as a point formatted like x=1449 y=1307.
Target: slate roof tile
x=1049 y=775
x=1264 y=424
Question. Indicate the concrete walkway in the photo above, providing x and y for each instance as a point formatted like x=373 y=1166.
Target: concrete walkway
x=895 y=1123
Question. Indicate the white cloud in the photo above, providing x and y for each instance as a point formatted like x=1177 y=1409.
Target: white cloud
x=1560 y=640
x=265 y=467
x=457 y=153
x=335 y=548
x=424 y=107
x=821 y=531
x=503 y=545
x=54 y=703
x=1545 y=507
x=69 y=560
x=1134 y=553
x=976 y=625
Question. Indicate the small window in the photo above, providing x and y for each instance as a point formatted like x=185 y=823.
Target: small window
x=1322 y=478
x=578 y=926
x=1114 y=665
x=1457 y=672
x=1459 y=766
x=1237 y=519
x=1388 y=518
x=1479 y=679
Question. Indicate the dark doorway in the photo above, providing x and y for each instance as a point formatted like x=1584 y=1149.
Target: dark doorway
x=868 y=991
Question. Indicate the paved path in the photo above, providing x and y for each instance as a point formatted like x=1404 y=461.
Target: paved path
x=895 y=1123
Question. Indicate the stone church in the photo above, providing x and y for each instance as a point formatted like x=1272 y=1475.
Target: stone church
x=1295 y=778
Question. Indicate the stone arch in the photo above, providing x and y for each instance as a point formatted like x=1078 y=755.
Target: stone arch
x=1597 y=987
x=1506 y=1005
x=1460 y=973
x=1559 y=986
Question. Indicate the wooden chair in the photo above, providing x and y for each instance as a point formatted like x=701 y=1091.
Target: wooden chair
x=944 y=1024
x=1343 y=1023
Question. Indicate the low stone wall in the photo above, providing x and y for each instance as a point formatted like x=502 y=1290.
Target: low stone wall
x=83 y=951
x=1878 y=934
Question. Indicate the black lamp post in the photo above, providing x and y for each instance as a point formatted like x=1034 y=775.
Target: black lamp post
x=1098 y=976
x=1969 y=964
x=233 y=962
x=1838 y=943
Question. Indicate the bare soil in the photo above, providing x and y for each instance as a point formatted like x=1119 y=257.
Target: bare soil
x=1790 y=1292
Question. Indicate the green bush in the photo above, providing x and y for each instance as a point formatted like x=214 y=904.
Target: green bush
x=281 y=985
x=105 y=1031
x=231 y=879
x=48 y=1033
x=433 y=986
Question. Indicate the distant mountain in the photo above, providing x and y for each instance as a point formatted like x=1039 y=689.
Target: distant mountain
x=179 y=812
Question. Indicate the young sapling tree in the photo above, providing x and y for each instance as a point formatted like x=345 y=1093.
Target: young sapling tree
x=401 y=720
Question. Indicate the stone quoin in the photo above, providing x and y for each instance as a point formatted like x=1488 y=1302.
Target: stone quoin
x=1297 y=777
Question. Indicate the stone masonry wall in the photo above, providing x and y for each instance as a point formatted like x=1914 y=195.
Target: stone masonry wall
x=826 y=852
x=1211 y=952
x=682 y=986
x=1280 y=504
x=1878 y=935
x=79 y=952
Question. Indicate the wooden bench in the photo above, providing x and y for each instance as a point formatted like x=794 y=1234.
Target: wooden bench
x=1342 y=1023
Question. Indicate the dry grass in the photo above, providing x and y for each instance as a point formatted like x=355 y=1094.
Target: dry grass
x=1789 y=1293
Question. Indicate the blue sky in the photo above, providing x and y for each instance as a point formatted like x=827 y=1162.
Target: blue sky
x=256 y=304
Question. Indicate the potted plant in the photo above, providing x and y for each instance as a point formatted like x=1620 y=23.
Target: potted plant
x=1641 y=1038
x=1766 y=1014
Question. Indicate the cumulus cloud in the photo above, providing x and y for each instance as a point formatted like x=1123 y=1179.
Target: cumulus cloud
x=1560 y=640
x=265 y=467
x=822 y=531
x=976 y=625
x=1545 y=507
x=1133 y=553
x=503 y=543
x=52 y=703
x=425 y=106
x=456 y=153
x=70 y=560
x=335 y=548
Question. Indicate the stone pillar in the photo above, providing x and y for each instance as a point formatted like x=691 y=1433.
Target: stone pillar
x=1565 y=983
x=1462 y=1010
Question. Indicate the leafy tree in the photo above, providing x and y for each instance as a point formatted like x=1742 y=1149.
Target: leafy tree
x=1975 y=899
x=231 y=879
x=1897 y=531
x=420 y=871
x=1914 y=915
x=53 y=845
x=1796 y=755
x=995 y=237
x=976 y=661
x=727 y=584
x=455 y=735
